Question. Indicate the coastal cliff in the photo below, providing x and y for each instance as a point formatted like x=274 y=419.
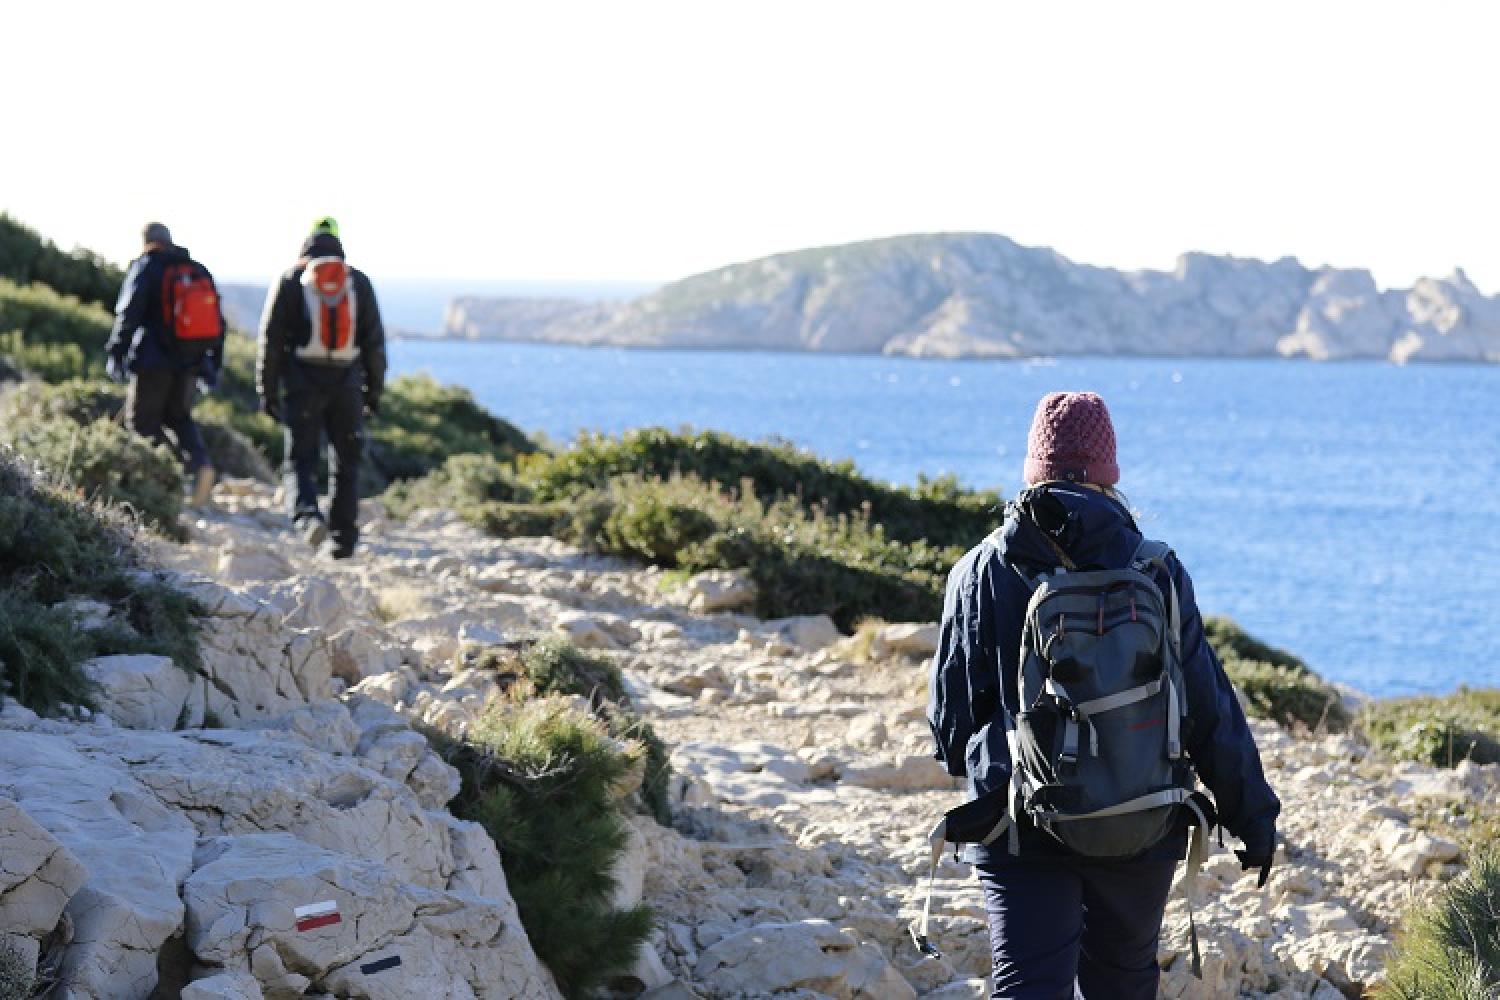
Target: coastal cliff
x=981 y=295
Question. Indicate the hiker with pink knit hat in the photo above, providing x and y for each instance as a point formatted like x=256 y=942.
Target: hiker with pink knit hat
x=1074 y=689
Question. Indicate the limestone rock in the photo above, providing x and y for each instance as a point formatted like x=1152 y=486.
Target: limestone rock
x=916 y=641
x=38 y=875
x=141 y=691
x=907 y=772
x=257 y=669
x=224 y=986
x=240 y=565
x=716 y=590
x=392 y=940
x=807 y=954
x=135 y=851
x=808 y=631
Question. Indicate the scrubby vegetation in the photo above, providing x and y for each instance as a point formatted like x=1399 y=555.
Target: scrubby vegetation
x=1437 y=730
x=1451 y=947
x=936 y=511
x=1276 y=684
x=17 y=977
x=26 y=257
x=816 y=536
x=56 y=546
x=546 y=780
x=422 y=423
x=552 y=667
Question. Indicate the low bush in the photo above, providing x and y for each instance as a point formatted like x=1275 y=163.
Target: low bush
x=938 y=510
x=1436 y=730
x=102 y=459
x=1232 y=642
x=554 y=666
x=1276 y=685
x=48 y=318
x=461 y=483
x=1450 y=949
x=803 y=562
x=422 y=423
x=17 y=977
x=541 y=779
x=54 y=546
x=26 y=257
x=517 y=520
x=1287 y=696
x=49 y=362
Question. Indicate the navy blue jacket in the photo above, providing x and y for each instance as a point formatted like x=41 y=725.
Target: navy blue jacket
x=138 y=337
x=975 y=669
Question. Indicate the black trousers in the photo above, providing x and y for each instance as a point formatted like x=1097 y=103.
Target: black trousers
x=159 y=401
x=325 y=403
x=1062 y=928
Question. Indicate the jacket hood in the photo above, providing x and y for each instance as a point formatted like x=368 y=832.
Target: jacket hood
x=321 y=245
x=1093 y=528
x=173 y=252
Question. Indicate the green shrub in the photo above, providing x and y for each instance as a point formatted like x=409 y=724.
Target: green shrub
x=43 y=652
x=803 y=562
x=55 y=545
x=17 y=977
x=556 y=666
x=49 y=362
x=935 y=510
x=102 y=459
x=1450 y=949
x=460 y=483
x=1287 y=696
x=647 y=525
x=1232 y=642
x=540 y=779
x=47 y=318
x=422 y=423
x=26 y=257
x=1436 y=730
x=516 y=520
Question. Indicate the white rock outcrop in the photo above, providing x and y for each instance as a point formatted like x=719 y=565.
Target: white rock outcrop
x=147 y=692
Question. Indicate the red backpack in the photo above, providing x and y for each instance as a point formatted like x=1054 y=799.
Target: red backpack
x=190 y=307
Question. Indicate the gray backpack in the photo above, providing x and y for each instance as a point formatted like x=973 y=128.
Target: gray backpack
x=1096 y=748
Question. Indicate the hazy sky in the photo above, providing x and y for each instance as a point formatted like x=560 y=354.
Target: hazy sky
x=642 y=140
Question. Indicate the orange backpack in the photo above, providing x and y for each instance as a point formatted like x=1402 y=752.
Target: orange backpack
x=330 y=309
x=190 y=306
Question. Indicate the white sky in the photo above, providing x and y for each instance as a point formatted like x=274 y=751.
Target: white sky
x=643 y=140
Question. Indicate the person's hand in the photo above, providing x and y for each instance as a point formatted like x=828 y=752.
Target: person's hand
x=114 y=367
x=271 y=408
x=372 y=405
x=1261 y=858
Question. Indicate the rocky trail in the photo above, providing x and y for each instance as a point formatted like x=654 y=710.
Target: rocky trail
x=802 y=794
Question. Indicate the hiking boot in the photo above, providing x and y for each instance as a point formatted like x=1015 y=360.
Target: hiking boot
x=314 y=531
x=203 y=485
x=342 y=551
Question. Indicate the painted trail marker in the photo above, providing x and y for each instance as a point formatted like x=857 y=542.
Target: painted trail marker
x=380 y=965
x=315 y=915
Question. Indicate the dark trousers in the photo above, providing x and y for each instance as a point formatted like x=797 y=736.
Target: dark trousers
x=158 y=401
x=319 y=402
x=1059 y=923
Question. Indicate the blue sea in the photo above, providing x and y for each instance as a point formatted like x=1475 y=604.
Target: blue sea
x=1348 y=512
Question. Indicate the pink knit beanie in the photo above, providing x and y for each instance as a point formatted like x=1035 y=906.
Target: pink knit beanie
x=1071 y=439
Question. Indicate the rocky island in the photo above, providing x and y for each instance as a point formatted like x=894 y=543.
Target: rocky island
x=974 y=295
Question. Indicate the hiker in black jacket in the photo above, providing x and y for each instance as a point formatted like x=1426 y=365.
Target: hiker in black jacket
x=1059 y=919
x=164 y=364
x=321 y=369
